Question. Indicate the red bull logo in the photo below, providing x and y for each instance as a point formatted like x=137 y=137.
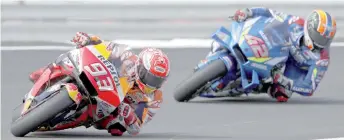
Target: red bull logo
x=73 y=92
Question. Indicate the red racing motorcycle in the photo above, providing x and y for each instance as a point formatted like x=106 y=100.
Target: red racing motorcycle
x=51 y=101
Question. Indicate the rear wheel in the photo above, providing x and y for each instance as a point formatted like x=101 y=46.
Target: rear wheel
x=187 y=89
x=40 y=114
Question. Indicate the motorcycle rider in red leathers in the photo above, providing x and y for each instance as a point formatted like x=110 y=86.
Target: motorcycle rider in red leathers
x=149 y=71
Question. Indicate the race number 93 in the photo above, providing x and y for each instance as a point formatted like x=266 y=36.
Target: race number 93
x=257 y=45
x=98 y=71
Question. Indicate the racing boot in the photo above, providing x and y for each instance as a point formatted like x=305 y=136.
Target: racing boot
x=279 y=93
x=281 y=85
x=123 y=119
x=111 y=123
x=116 y=130
x=280 y=88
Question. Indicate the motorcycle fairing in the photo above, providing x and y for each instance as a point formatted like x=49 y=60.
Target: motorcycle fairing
x=255 y=63
x=109 y=86
x=49 y=74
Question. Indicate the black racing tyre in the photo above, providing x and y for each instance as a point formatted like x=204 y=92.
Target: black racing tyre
x=186 y=90
x=42 y=113
x=16 y=112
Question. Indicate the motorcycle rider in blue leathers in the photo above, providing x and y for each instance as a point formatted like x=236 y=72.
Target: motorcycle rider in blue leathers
x=309 y=53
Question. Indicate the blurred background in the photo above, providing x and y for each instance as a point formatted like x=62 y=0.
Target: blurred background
x=57 y=21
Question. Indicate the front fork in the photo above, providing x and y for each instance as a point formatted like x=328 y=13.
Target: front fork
x=74 y=95
x=231 y=65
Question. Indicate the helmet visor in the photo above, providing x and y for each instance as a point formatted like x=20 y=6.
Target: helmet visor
x=148 y=78
x=319 y=41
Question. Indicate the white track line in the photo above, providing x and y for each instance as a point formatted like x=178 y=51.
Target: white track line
x=38 y=48
x=175 y=44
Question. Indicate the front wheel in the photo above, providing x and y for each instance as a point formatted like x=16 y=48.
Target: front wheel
x=40 y=114
x=187 y=88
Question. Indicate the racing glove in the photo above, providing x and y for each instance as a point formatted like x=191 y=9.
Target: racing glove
x=82 y=39
x=242 y=14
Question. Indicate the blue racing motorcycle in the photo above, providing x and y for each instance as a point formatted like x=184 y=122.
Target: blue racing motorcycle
x=259 y=45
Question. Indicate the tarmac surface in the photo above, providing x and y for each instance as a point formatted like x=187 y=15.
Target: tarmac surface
x=252 y=117
x=244 y=118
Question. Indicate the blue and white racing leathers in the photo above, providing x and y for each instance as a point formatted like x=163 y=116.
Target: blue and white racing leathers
x=303 y=71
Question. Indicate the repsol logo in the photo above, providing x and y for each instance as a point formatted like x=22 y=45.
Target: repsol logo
x=111 y=68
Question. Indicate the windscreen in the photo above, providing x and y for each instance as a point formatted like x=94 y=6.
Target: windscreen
x=277 y=33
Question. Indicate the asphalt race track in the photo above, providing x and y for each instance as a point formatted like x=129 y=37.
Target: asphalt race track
x=244 y=118
x=253 y=117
